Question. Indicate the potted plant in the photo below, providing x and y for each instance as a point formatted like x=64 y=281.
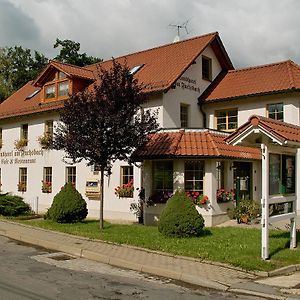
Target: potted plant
x=21 y=144
x=197 y=198
x=22 y=187
x=46 y=187
x=125 y=190
x=45 y=141
x=224 y=196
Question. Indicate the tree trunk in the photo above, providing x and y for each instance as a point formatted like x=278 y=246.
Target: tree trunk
x=101 y=199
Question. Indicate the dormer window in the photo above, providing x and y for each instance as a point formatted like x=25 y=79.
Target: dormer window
x=63 y=88
x=57 y=88
x=50 y=91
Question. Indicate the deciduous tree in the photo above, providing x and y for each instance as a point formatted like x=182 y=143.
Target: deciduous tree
x=69 y=53
x=106 y=123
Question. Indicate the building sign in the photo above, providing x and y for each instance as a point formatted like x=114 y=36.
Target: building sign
x=281 y=208
x=187 y=83
x=20 y=157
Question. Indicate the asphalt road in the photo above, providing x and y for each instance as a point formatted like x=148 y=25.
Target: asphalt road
x=29 y=273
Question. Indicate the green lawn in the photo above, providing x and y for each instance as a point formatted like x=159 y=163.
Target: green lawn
x=236 y=246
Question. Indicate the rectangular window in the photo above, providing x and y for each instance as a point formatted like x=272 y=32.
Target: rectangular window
x=184 y=116
x=71 y=175
x=47 y=180
x=63 y=88
x=275 y=111
x=1 y=142
x=206 y=68
x=193 y=176
x=50 y=91
x=282 y=174
x=227 y=120
x=162 y=176
x=49 y=128
x=24 y=134
x=126 y=174
x=22 y=185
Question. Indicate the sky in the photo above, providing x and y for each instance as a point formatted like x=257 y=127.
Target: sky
x=253 y=32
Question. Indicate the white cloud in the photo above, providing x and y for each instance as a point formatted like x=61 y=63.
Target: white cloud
x=253 y=32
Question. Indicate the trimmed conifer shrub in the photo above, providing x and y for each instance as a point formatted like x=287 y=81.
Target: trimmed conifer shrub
x=180 y=218
x=13 y=206
x=68 y=206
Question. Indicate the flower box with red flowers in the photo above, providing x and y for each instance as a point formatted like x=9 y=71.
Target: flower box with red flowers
x=225 y=196
x=46 y=187
x=197 y=198
x=125 y=190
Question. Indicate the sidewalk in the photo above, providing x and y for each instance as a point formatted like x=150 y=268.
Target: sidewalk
x=189 y=270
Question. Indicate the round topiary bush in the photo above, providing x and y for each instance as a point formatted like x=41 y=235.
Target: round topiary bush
x=180 y=218
x=11 y=205
x=68 y=206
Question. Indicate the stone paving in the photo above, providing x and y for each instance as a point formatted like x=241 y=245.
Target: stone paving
x=209 y=275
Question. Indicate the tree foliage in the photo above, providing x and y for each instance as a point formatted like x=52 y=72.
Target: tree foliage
x=105 y=124
x=18 y=65
x=68 y=206
x=69 y=53
x=180 y=218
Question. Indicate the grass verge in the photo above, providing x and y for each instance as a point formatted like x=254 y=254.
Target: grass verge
x=236 y=246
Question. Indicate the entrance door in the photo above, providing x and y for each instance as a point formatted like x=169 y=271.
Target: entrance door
x=242 y=176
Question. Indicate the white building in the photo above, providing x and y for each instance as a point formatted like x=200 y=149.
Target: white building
x=192 y=84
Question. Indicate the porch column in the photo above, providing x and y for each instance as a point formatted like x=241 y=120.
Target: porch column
x=210 y=181
x=178 y=175
x=265 y=203
x=147 y=178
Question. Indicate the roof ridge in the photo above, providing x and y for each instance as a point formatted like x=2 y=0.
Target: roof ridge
x=291 y=77
x=259 y=66
x=67 y=64
x=208 y=134
x=157 y=47
x=274 y=121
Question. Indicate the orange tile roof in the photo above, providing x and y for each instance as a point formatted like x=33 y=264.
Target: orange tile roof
x=259 y=80
x=70 y=70
x=162 y=67
x=283 y=131
x=192 y=144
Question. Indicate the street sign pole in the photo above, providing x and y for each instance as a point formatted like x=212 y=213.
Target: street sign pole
x=265 y=203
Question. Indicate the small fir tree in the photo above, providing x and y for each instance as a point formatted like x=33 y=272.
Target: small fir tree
x=68 y=206
x=180 y=218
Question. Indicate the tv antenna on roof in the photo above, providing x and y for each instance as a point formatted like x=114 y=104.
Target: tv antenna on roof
x=180 y=27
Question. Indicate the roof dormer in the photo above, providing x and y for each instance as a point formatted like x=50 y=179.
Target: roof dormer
x=58 y=81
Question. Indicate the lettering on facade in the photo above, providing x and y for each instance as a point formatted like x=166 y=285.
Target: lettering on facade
x=187 y=83
x=20 y=157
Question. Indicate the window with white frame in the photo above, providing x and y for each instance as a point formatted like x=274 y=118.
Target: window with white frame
x=49 y=128
x=227 y=120
x=126 y=174
x=194 y=176
x=206 y=68
x=275 y=111
x=47 y=180
x=71 y=175
x=1 y=141
x=22 y=185
x=184 y=115
x=24 y=133
x=162 y=176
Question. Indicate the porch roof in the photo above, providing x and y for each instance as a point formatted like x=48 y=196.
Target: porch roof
x=192 y=144
x=279 y=132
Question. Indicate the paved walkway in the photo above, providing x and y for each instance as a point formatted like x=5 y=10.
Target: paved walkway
x=216 y=276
